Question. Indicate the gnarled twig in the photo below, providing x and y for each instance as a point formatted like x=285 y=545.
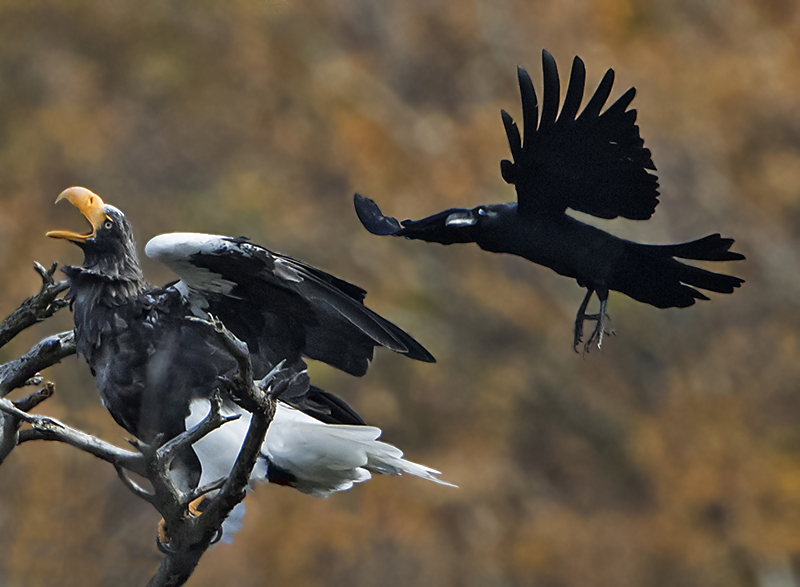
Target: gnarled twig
x=45 y=353
x=37 y=307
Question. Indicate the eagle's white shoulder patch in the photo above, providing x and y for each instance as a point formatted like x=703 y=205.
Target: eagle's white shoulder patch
x=177 y=246
x=176 y=249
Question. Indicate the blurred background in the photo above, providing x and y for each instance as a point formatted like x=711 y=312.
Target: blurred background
x=670 y=458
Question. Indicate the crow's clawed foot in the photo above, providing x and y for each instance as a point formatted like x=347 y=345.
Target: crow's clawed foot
x=598 y=333
x=600 y=319
x=578 y=336
x=580 y=319
x=600 y=323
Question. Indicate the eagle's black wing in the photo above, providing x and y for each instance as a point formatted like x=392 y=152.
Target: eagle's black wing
x=592 y=162
x=282 y=308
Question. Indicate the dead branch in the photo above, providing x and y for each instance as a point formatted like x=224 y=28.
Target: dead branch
x=36 y=308
x=51 y=350
x=45 y=428
x=24 y=371
x=190 y=535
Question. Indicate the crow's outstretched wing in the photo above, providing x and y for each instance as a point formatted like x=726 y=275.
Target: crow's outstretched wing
x=592 y=162
x=282 y=308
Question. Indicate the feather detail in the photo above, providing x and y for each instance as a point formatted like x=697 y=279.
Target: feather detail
x=310 y=456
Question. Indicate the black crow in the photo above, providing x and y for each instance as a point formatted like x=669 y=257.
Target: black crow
x=593 y=162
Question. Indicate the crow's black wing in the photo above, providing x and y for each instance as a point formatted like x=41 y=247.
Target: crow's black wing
x=592 y=162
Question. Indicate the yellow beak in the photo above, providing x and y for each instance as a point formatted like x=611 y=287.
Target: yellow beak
x=90 y=205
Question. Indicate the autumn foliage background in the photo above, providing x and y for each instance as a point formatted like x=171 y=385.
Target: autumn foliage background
x=671 y=458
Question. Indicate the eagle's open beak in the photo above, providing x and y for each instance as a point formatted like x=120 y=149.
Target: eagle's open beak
x=90 y=205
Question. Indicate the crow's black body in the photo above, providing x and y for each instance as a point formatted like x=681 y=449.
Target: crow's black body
x=591 y=162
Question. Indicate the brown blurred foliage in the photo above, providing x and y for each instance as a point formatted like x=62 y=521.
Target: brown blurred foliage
x=671 y=458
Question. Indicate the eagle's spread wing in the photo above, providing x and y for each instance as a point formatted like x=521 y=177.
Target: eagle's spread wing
x=592 y=162
x=280 y=306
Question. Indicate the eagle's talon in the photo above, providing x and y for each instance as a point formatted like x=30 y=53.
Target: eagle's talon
x=162 y=538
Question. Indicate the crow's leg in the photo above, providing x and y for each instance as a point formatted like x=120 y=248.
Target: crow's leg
x=580 y=318
x=600 y=318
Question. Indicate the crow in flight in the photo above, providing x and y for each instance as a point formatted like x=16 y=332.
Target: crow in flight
x=591 y=162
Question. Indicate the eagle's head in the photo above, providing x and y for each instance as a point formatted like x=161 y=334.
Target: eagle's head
x=109 y=249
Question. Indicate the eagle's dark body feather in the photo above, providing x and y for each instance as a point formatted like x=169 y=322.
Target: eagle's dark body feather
x=148 y=359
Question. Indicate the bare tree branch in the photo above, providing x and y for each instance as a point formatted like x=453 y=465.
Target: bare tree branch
x=45 y=428
x=137 y=489
x=9 y=424
x=9 y=435
x=25 y=370
x=189 y=535
x=49 y=351
x=36 y=308
x=37 y=397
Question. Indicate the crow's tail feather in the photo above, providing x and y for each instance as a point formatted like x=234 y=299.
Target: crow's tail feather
x=709 y=248
x=652 y=274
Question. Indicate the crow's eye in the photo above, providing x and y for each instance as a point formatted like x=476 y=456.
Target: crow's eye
x=481 y=211
x=108 y=225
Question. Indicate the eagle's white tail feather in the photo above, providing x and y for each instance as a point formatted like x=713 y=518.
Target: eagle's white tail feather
x=319 y=458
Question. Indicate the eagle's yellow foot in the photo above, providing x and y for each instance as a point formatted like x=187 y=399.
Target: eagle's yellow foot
x=198 y=506
x=195 y=508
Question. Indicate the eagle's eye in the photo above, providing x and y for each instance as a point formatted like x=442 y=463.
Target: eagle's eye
x=108 y=225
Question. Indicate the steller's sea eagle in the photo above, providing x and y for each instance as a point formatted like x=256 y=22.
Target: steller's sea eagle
x=156 y=367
